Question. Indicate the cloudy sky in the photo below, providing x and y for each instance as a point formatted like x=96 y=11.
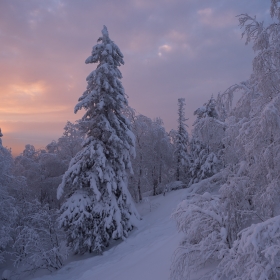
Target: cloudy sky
x=172 y=49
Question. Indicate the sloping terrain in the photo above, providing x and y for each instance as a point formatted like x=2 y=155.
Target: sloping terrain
x=146 y=254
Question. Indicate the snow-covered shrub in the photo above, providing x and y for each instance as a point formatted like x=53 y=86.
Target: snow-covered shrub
x=39 y=243
x=210 y=223
x=212 y=184
x=200 y=218
x=176 y=185
x=236 y=206
x=255 y=254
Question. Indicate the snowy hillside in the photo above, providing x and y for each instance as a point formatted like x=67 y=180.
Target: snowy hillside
x=146 y=254
x=76 y=195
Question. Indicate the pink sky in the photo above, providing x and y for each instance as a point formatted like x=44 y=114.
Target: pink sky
x=172 y=48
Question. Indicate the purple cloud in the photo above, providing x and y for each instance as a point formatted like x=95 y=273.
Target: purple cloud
x=172 y=49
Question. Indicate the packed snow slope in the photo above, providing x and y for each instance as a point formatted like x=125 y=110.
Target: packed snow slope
x=145 y=254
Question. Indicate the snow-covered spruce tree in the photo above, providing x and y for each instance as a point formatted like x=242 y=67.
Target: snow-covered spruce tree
x=181 y=143
x=98 y=206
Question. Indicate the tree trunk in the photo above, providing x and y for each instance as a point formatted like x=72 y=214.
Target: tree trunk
x=139 y=190
x=139 y=181
x=155 y=185
x=178 y=169
x=160 y=169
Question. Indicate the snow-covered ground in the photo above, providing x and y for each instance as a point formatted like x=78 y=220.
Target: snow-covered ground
x=146 y=254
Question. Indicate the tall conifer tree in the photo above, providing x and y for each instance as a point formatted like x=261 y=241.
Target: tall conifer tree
x=98 y=205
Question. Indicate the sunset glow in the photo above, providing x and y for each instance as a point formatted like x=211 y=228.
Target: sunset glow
x=169 y=49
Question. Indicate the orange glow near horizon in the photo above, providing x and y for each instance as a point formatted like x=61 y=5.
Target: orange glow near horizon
x=29 y=116
x=27 y=99
x=182 y=50
x=29 y=90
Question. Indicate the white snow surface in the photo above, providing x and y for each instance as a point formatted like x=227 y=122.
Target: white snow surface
x=145 y=254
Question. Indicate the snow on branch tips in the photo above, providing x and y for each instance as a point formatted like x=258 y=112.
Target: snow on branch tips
x=255 y=253
x=98 y=206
